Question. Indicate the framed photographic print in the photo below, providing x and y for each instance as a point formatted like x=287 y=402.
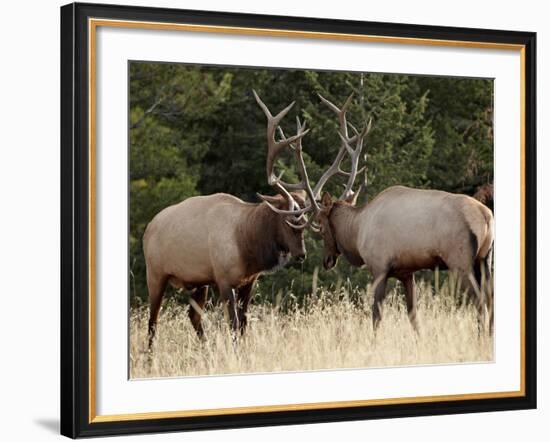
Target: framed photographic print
x=275 y=220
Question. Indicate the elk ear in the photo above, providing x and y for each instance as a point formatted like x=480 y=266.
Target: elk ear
x=300 y=197
x=300 y=193
x=326 y=200
x=352 y=198
x=276 y=201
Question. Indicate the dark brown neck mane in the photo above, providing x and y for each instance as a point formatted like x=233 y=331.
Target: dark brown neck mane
x=342 y=220
x=259 y=240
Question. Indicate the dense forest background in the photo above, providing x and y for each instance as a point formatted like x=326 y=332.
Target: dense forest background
x=197 y=130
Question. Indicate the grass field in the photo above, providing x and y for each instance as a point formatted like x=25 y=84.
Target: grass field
x=331 y=330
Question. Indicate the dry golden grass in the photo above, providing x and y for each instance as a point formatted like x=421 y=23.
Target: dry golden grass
x=329 y=332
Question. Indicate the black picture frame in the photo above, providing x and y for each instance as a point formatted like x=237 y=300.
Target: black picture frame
x=75 y=219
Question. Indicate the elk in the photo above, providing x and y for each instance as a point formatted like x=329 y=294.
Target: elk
x=402 y=230
x=222 y=241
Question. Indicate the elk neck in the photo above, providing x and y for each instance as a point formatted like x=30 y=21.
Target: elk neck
x=258 y=239
x=344 y=221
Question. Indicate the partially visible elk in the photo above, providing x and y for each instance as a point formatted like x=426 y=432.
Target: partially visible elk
x=484 y=194
x=403 y=230
x=223 y=241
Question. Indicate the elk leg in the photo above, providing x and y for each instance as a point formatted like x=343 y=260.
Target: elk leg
x=243 y=300
x=156 y=286
x=379 y=295
x=473 y=291
x=196 y=308
x=488 y=283
x=470 y=276
x=229 y=298
x=482 y=274
x=410 y=297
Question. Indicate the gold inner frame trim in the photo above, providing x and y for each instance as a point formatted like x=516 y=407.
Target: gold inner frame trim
x=93 y=24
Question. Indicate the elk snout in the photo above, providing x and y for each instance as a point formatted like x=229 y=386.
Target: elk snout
x=301 y=257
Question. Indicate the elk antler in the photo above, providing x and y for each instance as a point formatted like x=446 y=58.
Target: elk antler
x=273 y=150
x=335 y=167
x=295 y=143
x=354 y=156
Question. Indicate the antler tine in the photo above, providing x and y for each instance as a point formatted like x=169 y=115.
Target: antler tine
x=346 y=174
x=341 y=112
x=303 y=170
x=355 y=131
x=335 y=108
x=361 y=187
x=299 y=126
x=364 y=183
x=275 y=120
x=295 y=212
x=367 y=127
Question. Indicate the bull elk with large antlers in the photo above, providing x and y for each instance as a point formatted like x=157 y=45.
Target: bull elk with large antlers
x=223 y=241
x=402 y=230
